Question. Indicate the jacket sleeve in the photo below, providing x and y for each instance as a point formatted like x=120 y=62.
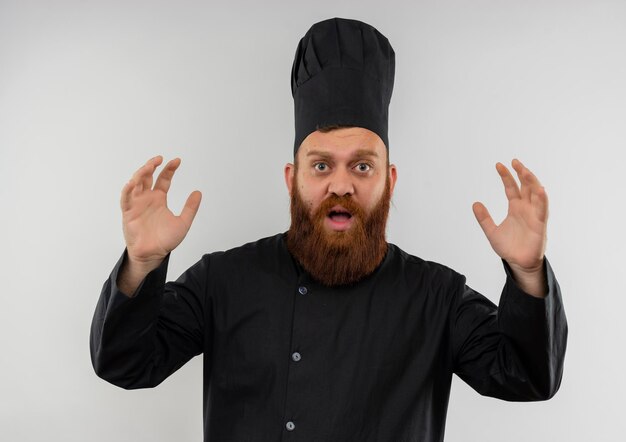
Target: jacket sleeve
x=515 y=351
x=138 y=342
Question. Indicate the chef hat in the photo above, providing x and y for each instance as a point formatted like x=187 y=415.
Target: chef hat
x=342 y=74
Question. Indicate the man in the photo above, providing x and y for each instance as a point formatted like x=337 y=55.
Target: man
x=327 y=332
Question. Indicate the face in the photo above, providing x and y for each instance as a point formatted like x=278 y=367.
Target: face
x=347 y=161
x=340 y=194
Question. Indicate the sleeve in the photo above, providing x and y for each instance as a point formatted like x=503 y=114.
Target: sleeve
x=138 y=342
x=514 y=352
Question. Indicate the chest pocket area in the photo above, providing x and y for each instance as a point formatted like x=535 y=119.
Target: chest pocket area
x=252 y=355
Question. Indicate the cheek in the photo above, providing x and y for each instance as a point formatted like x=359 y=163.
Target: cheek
x=372 y=189
x=312 y=204
x=310 y=194
x=373 y=194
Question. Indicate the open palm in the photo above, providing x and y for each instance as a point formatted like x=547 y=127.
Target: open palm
x=521 y=238
x=151 y=230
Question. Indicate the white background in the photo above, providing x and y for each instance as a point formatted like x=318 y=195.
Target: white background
x=91 y=90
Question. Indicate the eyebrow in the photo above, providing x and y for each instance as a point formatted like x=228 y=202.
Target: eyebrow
x=358 y=153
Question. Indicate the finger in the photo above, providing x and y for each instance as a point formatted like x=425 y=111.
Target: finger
x=539 y=200
x=484 y=218
x=143 y=170
x=144 y=173
x=164 y=180
x=137 y=189
x=510 y=185
x=191 y=207
x=125 y=198
x=140 y=175
x=152 y=164
x=527 y=179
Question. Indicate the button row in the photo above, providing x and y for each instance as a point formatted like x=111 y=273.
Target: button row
x=295 y=356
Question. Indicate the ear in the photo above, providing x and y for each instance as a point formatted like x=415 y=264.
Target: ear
x=290 y=170
x=393 y=177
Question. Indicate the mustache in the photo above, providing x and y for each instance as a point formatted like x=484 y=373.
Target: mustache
x=345 y=201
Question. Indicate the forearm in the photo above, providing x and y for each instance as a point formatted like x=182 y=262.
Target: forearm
x=123 y=329
x=538 y=328
x=516 y=354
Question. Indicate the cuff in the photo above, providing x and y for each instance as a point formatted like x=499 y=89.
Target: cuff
x=514 y=295
x=150 y=284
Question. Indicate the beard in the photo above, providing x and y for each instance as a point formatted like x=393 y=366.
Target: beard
x=335 y=258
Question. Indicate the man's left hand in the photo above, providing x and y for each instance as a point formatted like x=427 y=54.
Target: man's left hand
x=521 y=238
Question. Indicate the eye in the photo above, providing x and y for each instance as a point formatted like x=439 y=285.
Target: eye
x=363 y=167
x=320 y=167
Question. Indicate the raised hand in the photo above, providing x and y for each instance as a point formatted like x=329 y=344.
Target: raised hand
x=151 y=230
x=521 y=238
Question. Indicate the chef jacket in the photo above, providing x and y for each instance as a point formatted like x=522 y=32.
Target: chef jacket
x=288 y=359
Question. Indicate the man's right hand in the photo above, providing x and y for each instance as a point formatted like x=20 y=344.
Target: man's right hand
x=151 y=230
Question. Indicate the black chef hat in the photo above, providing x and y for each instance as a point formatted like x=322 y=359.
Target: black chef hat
x=342 y=74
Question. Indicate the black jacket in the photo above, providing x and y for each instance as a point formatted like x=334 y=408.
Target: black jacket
x=286 y=359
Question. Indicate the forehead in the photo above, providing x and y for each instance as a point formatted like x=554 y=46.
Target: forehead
x=343 y=142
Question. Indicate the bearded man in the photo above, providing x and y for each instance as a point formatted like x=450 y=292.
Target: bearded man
x=327 y=332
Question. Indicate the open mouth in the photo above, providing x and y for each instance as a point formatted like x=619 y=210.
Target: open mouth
x=339 y=215
x=339 y=218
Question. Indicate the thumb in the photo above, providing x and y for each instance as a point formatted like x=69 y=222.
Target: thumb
x=191 y=207
x=484 y=219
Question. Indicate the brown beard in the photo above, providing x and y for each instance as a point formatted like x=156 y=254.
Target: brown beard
x=338 y=258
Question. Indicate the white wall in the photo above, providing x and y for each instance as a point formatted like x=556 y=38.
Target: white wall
x=90 y=90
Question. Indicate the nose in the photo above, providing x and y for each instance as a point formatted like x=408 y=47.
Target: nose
x=341 y=183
